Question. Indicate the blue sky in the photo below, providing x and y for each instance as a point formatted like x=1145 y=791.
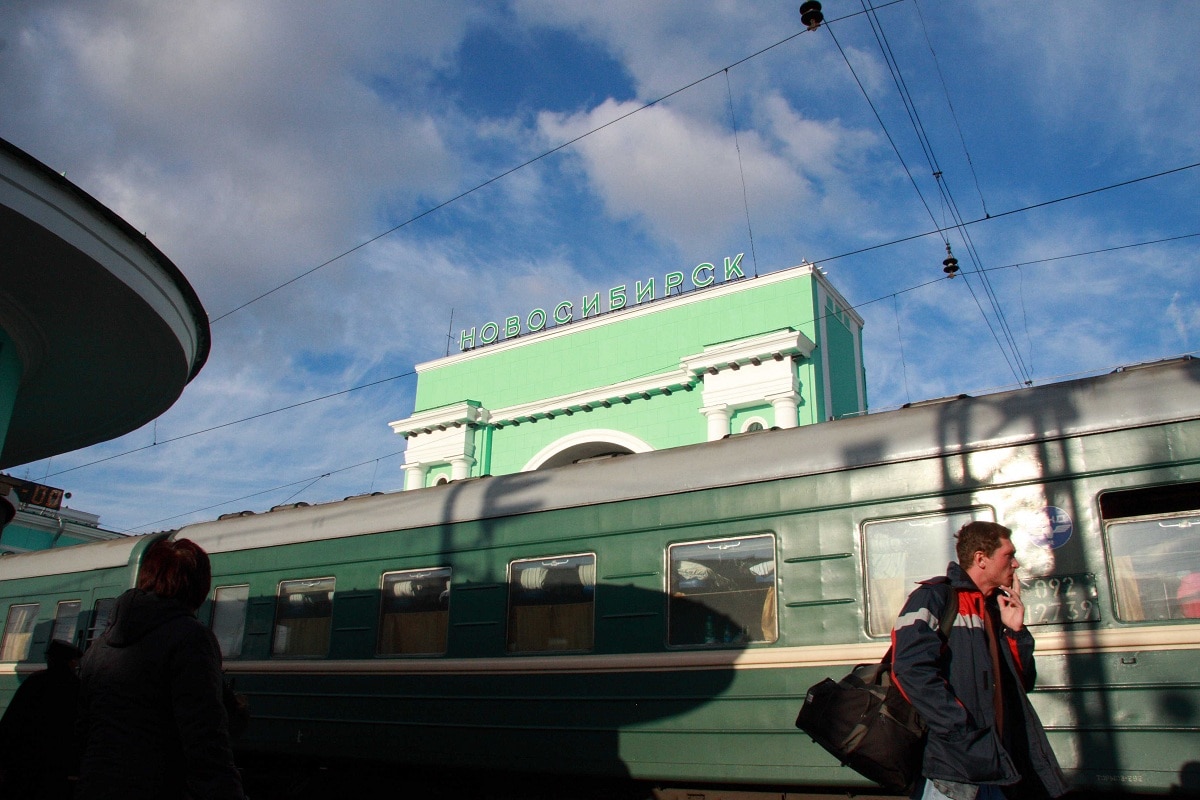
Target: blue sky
x=255 y=141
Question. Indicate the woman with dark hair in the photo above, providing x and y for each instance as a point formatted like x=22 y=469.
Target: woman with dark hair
x=151 y=717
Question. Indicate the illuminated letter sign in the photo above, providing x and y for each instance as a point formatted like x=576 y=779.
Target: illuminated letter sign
x=733 y=267
x=643 y=293
x=591 y=305
x=703 y=275
x=616 y=298
x=564 y=312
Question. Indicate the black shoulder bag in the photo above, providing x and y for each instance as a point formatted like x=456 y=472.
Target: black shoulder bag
x=867 y=724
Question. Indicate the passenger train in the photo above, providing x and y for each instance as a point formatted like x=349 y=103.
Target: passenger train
x=660 y=616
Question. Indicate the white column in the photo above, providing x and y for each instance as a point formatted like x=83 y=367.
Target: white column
x=460 y=467
x=786 y=409
x=414 y=475
x=718 y=421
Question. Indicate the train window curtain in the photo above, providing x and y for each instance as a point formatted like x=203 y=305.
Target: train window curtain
x=229 y=618
x=899 y=552
x=722 y=592
x=303 y=618
x=18 y=631
x=414 y=612
x=551 y=604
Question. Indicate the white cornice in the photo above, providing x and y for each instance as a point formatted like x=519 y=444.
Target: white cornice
x=752 y=350
x=604 y=397
x=455 y=415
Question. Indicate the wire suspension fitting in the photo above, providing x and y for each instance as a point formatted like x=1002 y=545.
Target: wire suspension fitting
x=810 y=14
x=950 y=264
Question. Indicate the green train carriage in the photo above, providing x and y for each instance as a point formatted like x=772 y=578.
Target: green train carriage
x=660 y=616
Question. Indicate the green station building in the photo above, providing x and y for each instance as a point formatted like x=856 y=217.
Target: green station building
x=659 y=363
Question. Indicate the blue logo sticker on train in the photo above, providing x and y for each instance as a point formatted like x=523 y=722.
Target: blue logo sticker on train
x=1057 y=530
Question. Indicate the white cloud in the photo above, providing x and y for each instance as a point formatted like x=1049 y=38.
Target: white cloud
x=678 y=175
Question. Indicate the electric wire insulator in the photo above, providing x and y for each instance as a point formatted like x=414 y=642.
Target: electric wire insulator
x=950 y=264
x=810 y=14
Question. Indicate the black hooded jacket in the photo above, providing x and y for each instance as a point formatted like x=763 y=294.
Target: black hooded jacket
x=151 y=720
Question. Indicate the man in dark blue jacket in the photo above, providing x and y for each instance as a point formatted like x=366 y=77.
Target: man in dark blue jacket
x=970 y=686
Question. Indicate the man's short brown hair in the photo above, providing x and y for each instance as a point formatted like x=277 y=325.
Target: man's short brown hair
x=177 y=569
x=979 y=536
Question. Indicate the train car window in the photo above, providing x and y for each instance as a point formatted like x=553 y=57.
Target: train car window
x=229 y=618
x=101 y=614
x=551 y=603
x=18 y=631
x=66 y=621
x=1155 y=551
x=899 y=552
x=303 y=618
x=414 y=612
x=722 y=592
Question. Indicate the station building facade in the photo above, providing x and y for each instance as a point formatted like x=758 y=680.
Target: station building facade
x=731 y=355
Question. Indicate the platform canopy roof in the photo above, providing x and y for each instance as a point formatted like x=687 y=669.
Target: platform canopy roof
x=108 y=330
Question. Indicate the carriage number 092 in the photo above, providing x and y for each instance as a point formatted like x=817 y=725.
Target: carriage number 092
x=1059 y=599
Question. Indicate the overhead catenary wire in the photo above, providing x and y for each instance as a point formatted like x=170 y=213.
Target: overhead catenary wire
x=1004 y=338
x=950 y=104
x=939 y=228
x=742 y=172
x=545 y=154
x=310 y=480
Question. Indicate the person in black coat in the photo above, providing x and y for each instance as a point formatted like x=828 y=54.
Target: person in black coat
x=152 y=722
x=37 y=730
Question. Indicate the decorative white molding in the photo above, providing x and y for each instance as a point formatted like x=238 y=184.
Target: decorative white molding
x=456 y=415
x=751 y=351
x=749 y=372
x=444 y=435
x=602 y=397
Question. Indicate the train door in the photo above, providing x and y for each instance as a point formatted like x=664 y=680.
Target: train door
x=100 y=608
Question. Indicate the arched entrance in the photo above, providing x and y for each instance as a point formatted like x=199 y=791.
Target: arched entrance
x=584 y=445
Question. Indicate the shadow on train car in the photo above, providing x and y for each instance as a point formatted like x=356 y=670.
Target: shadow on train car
x=1104 y=702
x=503 y=638
x=518 y=724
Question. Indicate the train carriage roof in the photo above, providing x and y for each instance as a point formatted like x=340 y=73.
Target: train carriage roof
x=76 y=558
